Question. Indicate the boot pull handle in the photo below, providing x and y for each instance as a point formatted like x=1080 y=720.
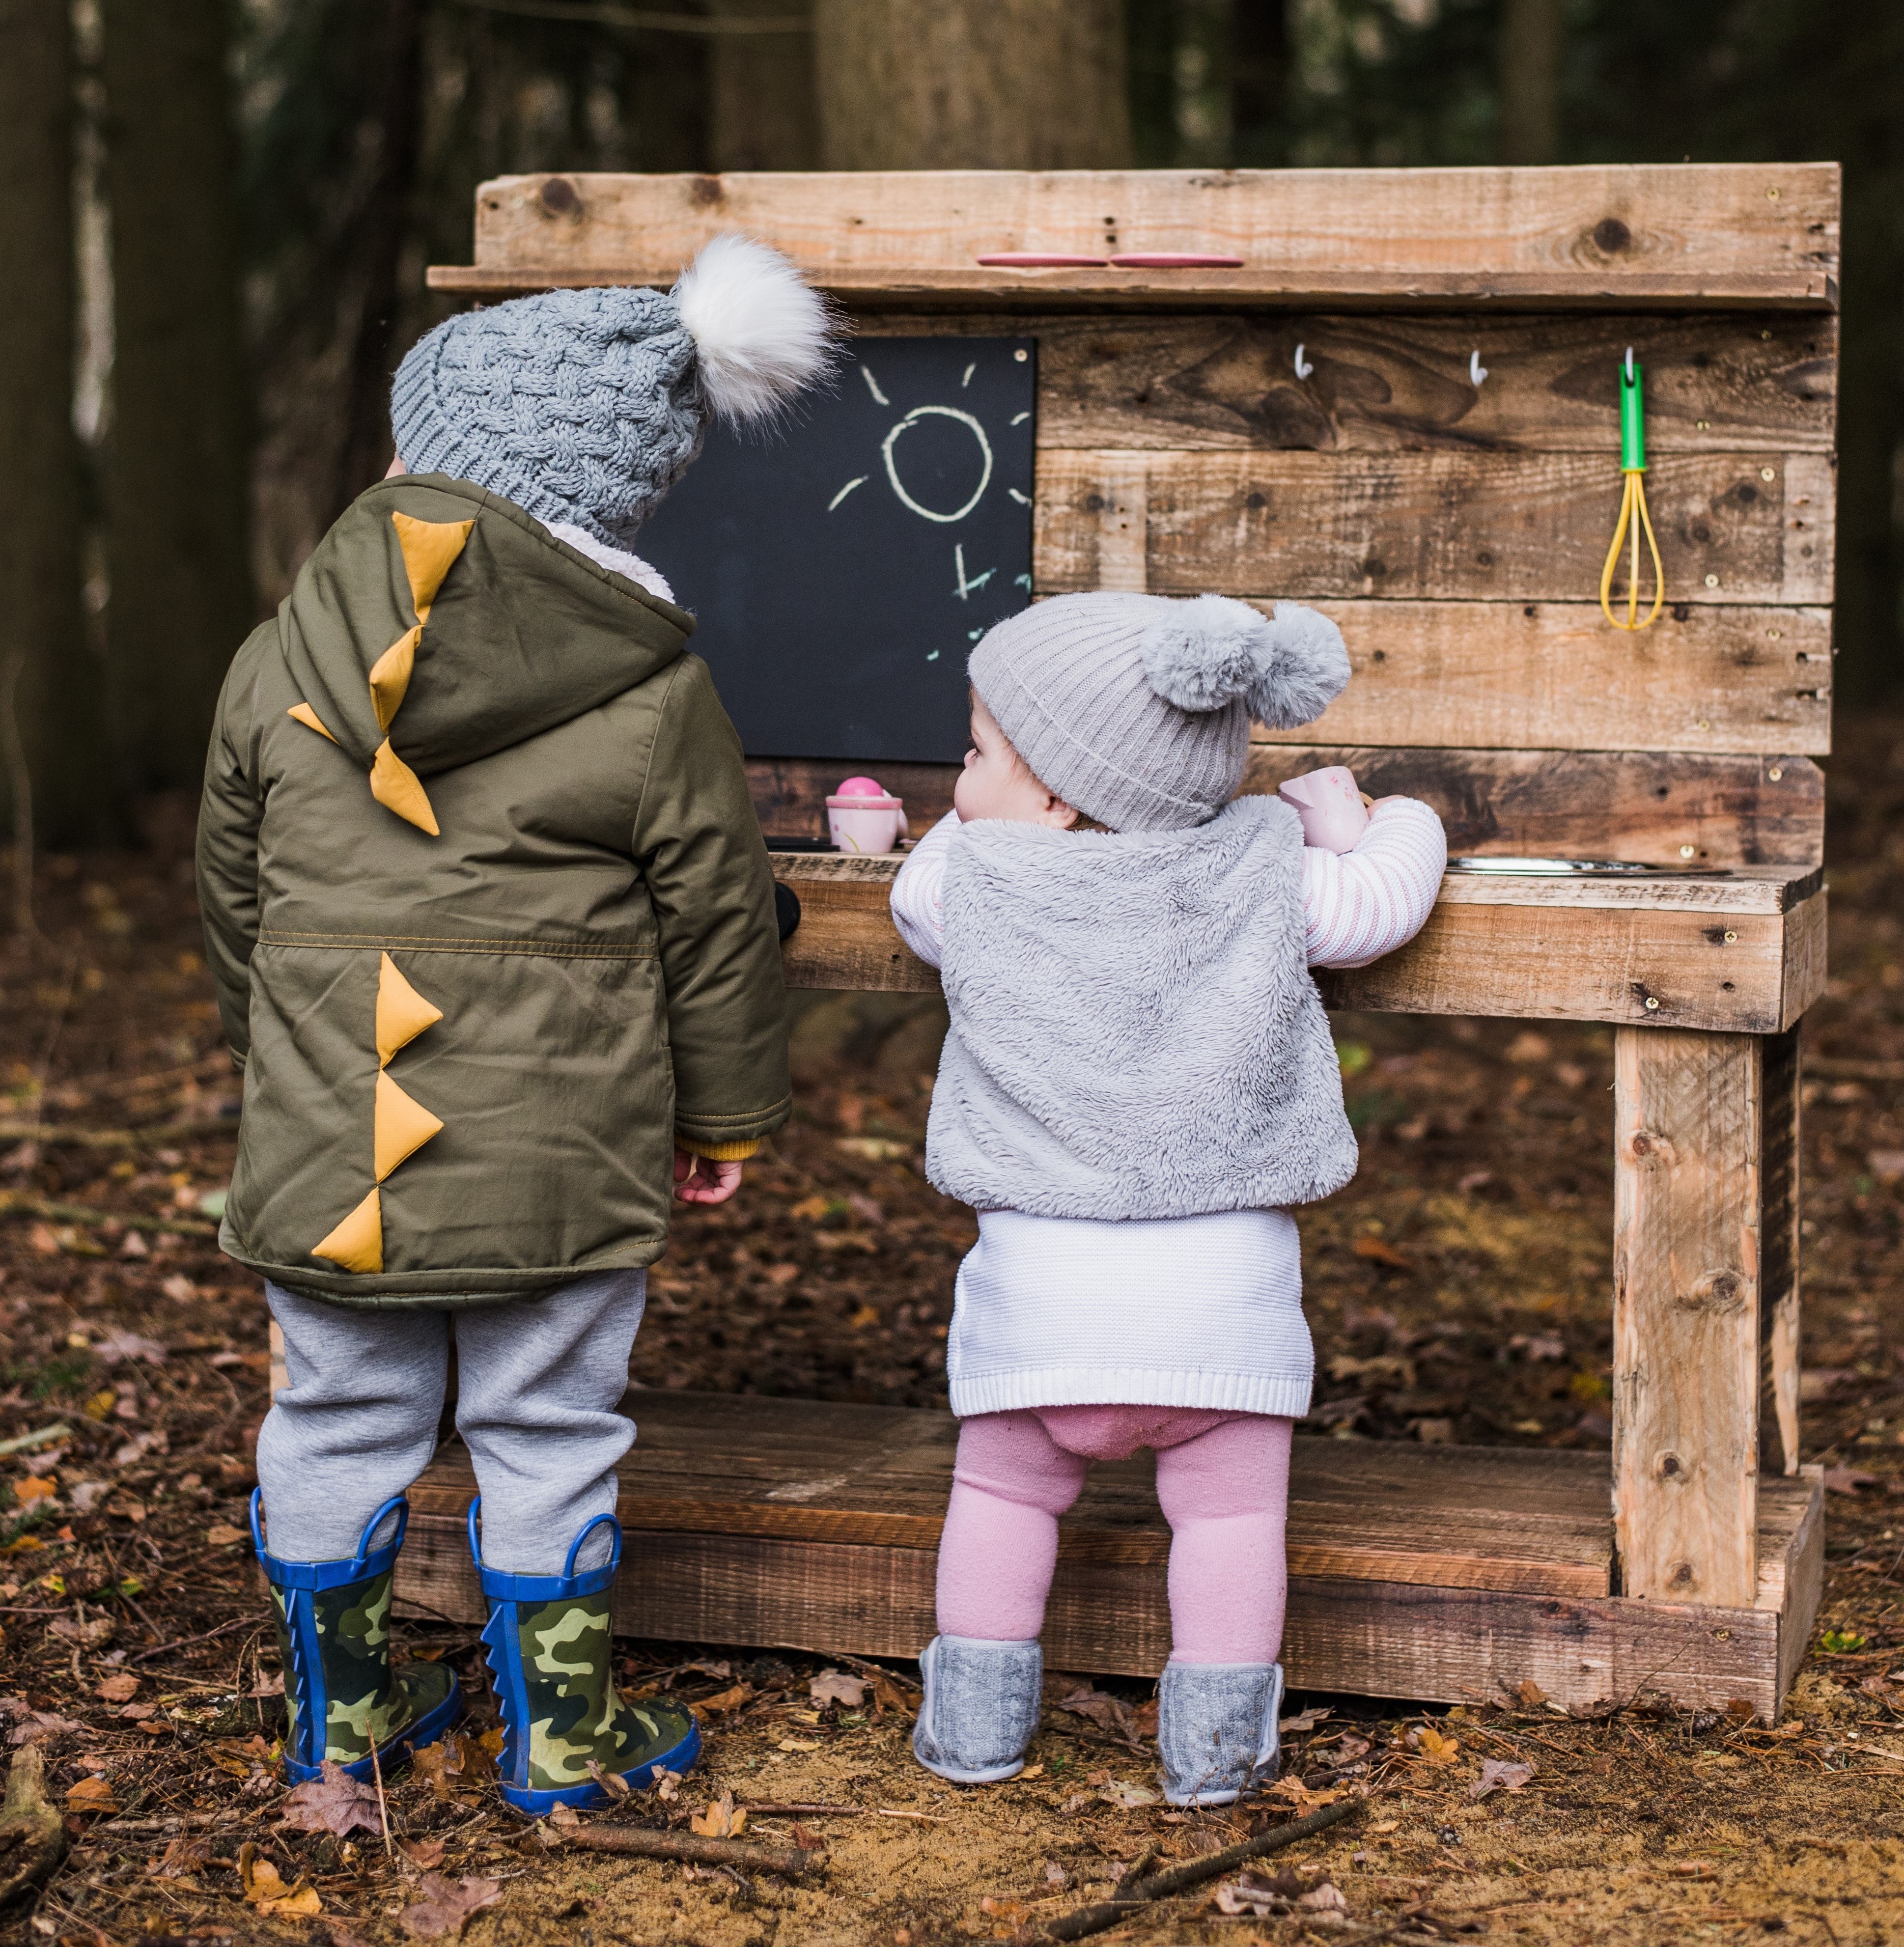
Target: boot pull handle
x=575 y=1546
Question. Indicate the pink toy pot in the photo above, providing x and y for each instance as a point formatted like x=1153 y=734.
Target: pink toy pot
x=861 y=816
x=1329 y=805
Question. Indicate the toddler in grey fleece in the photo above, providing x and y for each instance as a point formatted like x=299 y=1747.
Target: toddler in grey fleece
x=1138 y=1078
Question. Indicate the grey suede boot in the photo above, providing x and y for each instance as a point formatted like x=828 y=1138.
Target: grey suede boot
x=981 y=1706
x=1216 y=1729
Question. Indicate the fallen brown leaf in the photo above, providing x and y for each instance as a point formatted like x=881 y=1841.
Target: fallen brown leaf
x=834 y=1686
x=423 y=1852
x=222 y=1534
x=185 y=1855
x=1379 y=1250
x=446 y=1905
x=334 y=1802
x=720 y=1820
x=728 y=1700
x=90 y=1794
x=1530 y=1695
x=1435 y=1747
x=118 y=1689
x=1500 y=1774
x=33 y=1487
x=264 y=1887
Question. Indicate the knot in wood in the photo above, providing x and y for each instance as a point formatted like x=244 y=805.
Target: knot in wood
x=1650 y=1147
x=1718 y=1291
x=558 y=197
x=1683 y=1576
x=1669 y=1466
x=708 y=190
x=1611 y=235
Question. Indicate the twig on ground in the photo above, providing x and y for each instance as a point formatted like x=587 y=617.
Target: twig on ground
x=1088 y=1920
x=383 y=1809
x=887 y=1812
x=775 y=1808
x=43 y=1436
x=182 y=1642
x=639 y=1844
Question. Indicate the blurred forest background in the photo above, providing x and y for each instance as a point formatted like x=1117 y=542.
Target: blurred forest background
x=218 y=214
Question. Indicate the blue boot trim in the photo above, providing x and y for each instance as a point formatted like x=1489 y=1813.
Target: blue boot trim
x=537 y=1804
x=427 y=1730
x=502 y=1645
x=296 y=1583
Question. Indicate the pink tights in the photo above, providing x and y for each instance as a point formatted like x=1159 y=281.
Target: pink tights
x=1223 y=1481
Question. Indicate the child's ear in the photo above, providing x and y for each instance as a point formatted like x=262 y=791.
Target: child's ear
x=1061 y=816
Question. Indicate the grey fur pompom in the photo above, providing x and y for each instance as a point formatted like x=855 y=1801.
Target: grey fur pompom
x=1212 y=650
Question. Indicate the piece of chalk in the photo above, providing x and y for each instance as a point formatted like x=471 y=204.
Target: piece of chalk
x=861 y=787
x=1036 y=260
x=1175 y=260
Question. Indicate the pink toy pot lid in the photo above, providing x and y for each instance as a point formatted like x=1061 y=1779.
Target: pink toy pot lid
x=862 y=794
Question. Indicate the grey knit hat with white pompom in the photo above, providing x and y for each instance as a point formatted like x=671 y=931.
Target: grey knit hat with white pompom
x=586 y=406
x=1136 y=708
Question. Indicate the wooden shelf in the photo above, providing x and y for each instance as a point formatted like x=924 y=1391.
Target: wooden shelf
x=1445 y=1573
x=1741 y=954
x=1762 y=236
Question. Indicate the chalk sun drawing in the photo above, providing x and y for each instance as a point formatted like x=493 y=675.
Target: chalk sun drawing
x=968 y=586
x=872 y=386
x=904 y=426
x=846 y=490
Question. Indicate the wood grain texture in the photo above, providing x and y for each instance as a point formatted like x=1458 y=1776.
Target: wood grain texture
x=1474 y=1518
x=1804 y=1580
x=1686 y=1272
x=1700 y=234
x=1555 y=675
x=1527 y=948
x=1639 y=805
x=1512 y=527
x=1778 y=1251
x=1419 y=1618
x=1401 y=381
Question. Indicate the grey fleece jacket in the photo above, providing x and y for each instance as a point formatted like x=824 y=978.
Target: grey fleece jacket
x=1134 y=1032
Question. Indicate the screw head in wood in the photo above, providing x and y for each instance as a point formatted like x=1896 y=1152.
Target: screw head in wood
x=1768 y=473
x=1775 y=773
x=1686 y=851
x=1712 y=581
x=1652 y=1003
x=1732 y=937
x=1705 y=425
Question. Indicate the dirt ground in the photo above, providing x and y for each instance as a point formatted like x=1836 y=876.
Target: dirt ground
x=1459 y=1291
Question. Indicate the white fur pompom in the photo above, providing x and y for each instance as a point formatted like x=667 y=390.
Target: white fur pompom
x=1212 y=650
x=761 y=333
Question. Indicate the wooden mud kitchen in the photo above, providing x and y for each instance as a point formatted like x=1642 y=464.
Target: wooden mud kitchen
x=1394 y=394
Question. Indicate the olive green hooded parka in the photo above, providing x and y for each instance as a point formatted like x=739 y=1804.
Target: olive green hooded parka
x=488 y=909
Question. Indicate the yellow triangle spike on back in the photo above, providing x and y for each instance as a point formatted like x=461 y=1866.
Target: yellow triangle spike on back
x=429 y=548
x=356 y=1244
x=308 y=717
x=402 y=1013
x=395 y=786
x=402 y=1127
x=390 y=675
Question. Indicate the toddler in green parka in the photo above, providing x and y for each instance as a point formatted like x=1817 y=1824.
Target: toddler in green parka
x=494 y=933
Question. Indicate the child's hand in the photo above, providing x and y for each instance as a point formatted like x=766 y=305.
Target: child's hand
x=699 y=1179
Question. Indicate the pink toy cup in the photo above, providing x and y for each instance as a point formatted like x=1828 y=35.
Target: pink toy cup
x=1329 y=805
x=861 y=816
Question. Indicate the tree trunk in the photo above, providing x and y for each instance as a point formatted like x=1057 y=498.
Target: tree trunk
x=51 y=738
x=177 y=491
x=1532 y=33
x=364 y=456
x=972 y=83
x=1259 y=82
x=765 y=114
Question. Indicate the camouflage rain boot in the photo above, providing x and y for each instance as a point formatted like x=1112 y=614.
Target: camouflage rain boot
x=549 y=1652
x=333 y=1632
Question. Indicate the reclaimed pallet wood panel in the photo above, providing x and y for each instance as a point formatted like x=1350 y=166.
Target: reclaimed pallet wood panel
x=1754 y=527
x=1760 y=235
x=785 y=1470
x=1401 y=381
x=1435 y=1628
x=1780 y=1118
x=1686 y=1314
x=1715 y=958
x=1644 y=806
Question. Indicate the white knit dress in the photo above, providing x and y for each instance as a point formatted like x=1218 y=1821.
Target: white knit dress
x=1202 y=1311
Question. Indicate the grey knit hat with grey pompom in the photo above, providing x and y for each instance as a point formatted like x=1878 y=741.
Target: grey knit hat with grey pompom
x=1136 y=708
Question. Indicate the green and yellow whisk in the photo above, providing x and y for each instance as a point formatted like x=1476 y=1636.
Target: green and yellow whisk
x=1634 y=518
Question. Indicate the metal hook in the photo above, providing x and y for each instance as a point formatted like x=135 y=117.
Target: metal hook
x=1303 y=367
x=1629 y=364
x=1476 y=370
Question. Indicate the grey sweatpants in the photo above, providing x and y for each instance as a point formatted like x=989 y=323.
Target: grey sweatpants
x=538 y=1380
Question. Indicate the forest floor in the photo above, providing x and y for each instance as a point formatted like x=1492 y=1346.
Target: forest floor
x=1458 y=1291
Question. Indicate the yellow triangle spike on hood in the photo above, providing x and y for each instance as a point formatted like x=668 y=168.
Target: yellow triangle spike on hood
x=356 y=1244
x=309 y=718
x=429 y=548
x=402 y=1013
x=395 y=786
x=402 y=1128
x=390 y=675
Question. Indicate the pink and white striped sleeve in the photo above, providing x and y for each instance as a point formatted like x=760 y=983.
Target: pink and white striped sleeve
x=917 y=910
x=1363 y=903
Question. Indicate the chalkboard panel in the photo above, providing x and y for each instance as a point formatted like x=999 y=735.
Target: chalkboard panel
x=840 y=571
